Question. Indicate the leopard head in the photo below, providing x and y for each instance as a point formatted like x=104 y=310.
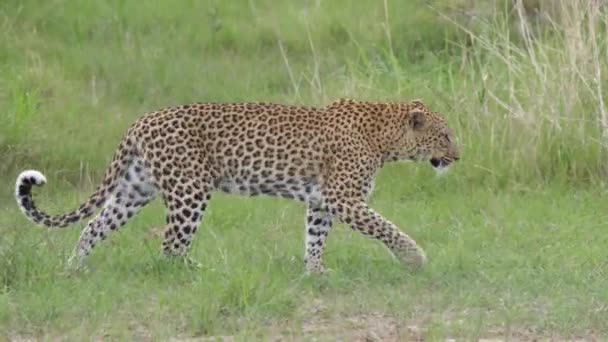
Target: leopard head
x=426 y=136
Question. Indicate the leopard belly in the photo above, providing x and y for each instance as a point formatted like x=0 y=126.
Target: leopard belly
x=303 y=190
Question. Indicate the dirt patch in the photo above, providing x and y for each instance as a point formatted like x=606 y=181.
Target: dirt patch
x=357 y=328
x=321 y=323
x=362 y=327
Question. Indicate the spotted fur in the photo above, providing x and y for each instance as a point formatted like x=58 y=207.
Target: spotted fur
x=326 y=157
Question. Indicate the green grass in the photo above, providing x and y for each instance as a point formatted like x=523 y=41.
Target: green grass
x=528 y=262
x=515 y=234
x=518 y=263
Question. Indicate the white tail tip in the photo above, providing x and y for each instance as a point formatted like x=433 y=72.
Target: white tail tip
x=31 y=176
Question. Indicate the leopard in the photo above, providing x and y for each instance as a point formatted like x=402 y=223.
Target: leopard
x=326 y=157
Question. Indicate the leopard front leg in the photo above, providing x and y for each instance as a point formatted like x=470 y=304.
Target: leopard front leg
x=347 y=184
x=318 y=225
x=365 y=220
x=185 y=214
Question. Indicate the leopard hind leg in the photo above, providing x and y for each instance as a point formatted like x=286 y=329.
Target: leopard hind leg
x=134 y=190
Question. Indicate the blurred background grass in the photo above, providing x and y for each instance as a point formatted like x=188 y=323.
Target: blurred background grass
x=522 y=81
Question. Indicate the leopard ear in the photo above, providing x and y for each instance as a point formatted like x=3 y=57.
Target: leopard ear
x=416 y=119
x=418 y=103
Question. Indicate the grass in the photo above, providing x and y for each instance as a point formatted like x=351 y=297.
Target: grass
x=513 y=264
x=515 y=234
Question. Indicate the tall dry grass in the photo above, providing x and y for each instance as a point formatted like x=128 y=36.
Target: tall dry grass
x=534 y=89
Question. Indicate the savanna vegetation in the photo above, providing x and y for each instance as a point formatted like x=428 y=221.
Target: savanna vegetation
x=516 y=233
